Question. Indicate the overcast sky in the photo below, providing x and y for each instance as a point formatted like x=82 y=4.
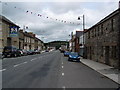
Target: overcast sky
x=48 y=29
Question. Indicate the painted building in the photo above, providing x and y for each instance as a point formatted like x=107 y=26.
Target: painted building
x=6 y=38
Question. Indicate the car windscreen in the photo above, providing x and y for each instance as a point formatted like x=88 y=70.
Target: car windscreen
x=73 y=53
x=7 y=48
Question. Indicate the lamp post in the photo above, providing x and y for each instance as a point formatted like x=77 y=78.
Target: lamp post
x=119 y=35
x=83 y=17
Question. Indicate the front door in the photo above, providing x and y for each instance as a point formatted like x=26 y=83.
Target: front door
x=8 y=41
x=107 y=55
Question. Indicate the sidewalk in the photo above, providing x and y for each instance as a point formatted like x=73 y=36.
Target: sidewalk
x=103 y=69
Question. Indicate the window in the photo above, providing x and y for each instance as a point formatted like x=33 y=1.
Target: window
x=101 y=29
x=114 y=52
x=95 y=32
x=88 y=34
x=98 y=30
x=112 y=24
x=102 y=51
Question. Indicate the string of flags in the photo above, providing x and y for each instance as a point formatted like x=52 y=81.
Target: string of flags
x=40 y=15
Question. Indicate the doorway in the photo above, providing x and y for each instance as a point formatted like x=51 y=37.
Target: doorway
x=107 y=55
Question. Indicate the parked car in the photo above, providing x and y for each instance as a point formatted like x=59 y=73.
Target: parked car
x=66 y=53
x=37 y=51
x=31 y=52
x=21 y=52
x=74 y=56
x=25 y=52
x=46 y=50
x=11 y=51
x=42 y=51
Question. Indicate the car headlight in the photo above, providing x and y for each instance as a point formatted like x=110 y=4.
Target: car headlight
x=79 y=57
x=70 y=56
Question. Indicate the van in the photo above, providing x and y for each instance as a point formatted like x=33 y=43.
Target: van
x=10 y=51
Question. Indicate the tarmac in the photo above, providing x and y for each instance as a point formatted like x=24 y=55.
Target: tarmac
x=108 y=71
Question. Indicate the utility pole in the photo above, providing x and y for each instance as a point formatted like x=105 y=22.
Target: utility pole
x=119 y=34
x=83 y=17
x=83 y=36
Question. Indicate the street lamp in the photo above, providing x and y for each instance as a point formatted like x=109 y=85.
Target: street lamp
x=83 y=17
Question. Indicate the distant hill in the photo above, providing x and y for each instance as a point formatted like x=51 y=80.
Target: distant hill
x=56 y=44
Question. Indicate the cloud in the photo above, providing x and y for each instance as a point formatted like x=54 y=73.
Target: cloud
x=49 y=29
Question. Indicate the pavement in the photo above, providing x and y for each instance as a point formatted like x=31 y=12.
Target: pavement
x=108 y=71
x=0 y=72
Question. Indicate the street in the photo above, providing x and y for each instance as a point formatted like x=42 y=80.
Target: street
x=50 y=70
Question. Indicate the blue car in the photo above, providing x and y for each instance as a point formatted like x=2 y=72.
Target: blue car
x=74 y=57
x=66 y=53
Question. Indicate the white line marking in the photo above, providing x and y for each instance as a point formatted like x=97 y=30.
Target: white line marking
x=16 y=65
x=19 y=64
x=62 y=66
x=63 y=87
x=62 y=74
x=24 y=62
x=2 y=70
x=33 y=59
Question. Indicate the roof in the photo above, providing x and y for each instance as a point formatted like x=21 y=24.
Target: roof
x=79 y=33
x=8 y=21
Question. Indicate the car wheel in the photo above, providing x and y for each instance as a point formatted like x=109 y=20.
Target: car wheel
x=5 y=56
x=69 y=60
x=15 y=55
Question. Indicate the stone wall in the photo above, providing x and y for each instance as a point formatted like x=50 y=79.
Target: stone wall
x=101 y=41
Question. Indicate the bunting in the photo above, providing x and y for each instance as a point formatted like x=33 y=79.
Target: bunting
x=47 y=17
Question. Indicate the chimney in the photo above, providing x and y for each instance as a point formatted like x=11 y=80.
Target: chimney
x=21 y=30
x=119 y=4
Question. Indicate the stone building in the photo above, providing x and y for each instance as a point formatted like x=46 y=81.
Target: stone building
x=6 y=39
x=101 y=40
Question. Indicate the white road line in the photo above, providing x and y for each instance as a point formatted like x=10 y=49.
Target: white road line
x=2 y=70
x=63 y=87
x=33 y=59
x=62 y=74
x=16 y=65
x=24 y=62
x=62 y=66
x=19 y=64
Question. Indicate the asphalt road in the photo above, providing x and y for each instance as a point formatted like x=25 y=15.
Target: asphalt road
x=50 y=70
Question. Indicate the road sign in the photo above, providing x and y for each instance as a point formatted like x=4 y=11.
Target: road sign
x=13 y=31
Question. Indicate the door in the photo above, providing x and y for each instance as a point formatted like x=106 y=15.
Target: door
x=8 y=41
x=90 y=53
x=107 y=55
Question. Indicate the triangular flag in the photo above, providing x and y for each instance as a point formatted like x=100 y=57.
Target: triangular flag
x=26 y=11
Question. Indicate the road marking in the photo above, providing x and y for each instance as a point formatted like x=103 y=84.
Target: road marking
x=19 y=64
x=24 y=62
x=16 y=65
x=62 y=74
x=62 y=66
x=33 y=59
x=63 y=87
x=2 y=70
